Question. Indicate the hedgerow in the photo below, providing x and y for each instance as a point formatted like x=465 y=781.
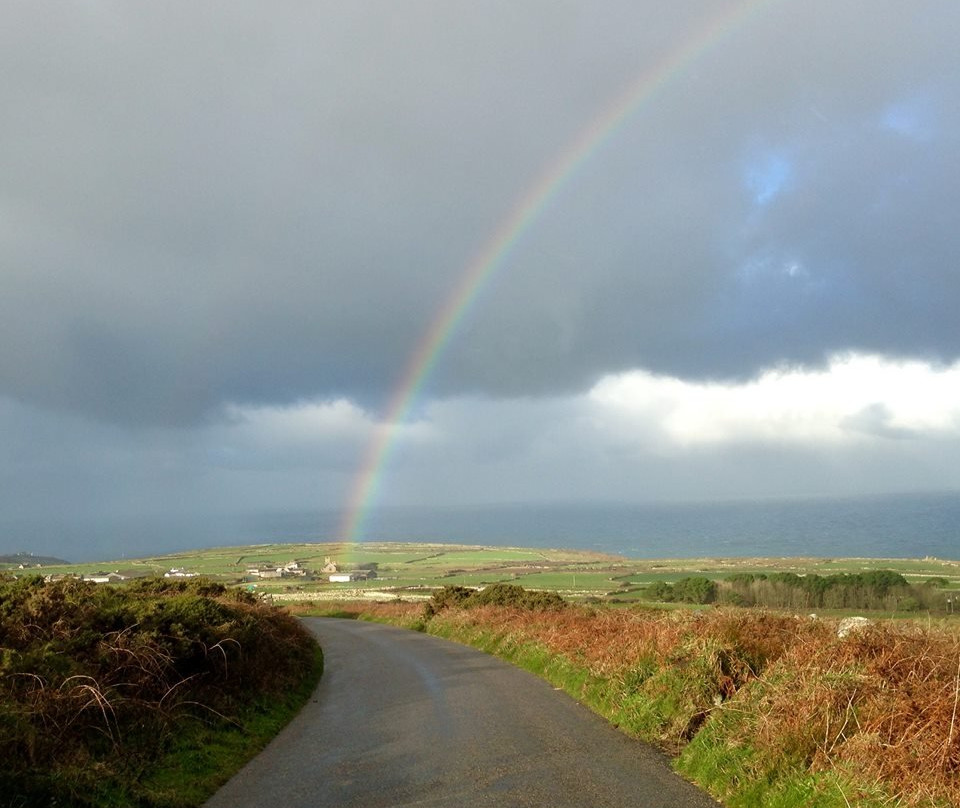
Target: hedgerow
x=97 y=682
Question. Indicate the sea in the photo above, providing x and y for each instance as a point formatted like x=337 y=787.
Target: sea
x=888 y=526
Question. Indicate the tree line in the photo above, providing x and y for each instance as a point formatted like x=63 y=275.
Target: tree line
x=880 y=590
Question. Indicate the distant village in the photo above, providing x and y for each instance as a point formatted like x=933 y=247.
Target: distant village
x=331 y=571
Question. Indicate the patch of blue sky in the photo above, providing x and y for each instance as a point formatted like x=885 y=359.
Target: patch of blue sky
x=767 y=176
x=911 y=119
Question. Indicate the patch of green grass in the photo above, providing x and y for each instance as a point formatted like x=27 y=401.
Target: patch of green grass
x=744 y=776
x=205 y=756
x=572 y=580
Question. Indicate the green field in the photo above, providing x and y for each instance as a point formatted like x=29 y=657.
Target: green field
x=409 y=569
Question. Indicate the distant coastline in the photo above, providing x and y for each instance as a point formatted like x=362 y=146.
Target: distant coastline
x=888 y=526
x=31 y=560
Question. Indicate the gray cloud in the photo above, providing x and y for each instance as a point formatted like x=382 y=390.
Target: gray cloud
x=875 y=420
x=203 y=205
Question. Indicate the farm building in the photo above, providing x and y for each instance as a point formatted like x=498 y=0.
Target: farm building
x=351 y=575
x=105 y=578
x=290 y=570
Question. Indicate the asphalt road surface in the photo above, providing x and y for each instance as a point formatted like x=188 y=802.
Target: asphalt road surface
x=405 y=719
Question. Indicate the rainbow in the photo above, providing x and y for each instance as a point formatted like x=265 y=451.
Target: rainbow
x=479 y=272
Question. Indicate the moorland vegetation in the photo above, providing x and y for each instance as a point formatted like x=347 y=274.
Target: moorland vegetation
x=144 y=695
x=136 y=694
x=759 y=707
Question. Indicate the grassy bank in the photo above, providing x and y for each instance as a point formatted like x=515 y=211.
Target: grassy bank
x=146 y=695
x=761 y=709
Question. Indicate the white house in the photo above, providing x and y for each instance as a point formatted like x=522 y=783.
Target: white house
x=352 y=575
x=105 y=578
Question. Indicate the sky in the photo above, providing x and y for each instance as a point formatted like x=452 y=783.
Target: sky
x=227 y=230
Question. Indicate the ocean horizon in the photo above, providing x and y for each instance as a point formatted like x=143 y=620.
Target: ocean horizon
x=879 y=526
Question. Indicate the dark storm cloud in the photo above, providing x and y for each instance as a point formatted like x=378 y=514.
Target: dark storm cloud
x=216 y=203
x=791 y=202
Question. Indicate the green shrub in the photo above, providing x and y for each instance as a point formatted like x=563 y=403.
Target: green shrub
x=446 y=598
x=694 y=589
x=97 y=681
x=660 y=591
x=512 y=595
x=501 y=594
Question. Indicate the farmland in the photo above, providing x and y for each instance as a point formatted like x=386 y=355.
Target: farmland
x=413 y=570
x=694 y=680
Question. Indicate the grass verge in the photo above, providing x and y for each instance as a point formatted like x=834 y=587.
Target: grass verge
x=758 y=708
x=204 y=758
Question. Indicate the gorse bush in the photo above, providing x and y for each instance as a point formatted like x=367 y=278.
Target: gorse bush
x=513 y=595
x=96 y=681
x=500 y=594
x=448 y=597
x=187 y=586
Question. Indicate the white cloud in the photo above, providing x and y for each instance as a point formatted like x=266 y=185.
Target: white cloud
x=308 y=431
x=854 y=396
x=861 y=425
x=308 y=421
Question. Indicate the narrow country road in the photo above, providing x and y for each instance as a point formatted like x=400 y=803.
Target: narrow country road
x=405 y=719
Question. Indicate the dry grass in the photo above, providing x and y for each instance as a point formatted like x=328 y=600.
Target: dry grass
x=882 y=702
x=612 y=642
x=400 y=612
x=881 y=706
